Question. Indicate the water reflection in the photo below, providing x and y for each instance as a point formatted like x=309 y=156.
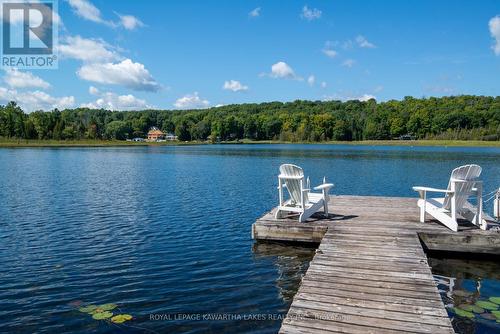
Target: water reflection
x=163 y=230
x=471 y=293
x=290 y=261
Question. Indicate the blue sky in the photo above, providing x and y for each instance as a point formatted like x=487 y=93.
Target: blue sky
x=193 y=54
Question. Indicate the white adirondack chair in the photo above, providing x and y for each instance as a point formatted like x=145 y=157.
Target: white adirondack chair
x=301 y=200
x=463 y=184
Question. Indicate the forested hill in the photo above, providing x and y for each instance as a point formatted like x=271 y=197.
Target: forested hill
x=458 y=117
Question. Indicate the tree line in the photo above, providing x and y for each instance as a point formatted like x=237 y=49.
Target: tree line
x=456 y=117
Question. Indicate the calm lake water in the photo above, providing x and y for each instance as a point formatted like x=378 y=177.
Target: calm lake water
x=165 y=231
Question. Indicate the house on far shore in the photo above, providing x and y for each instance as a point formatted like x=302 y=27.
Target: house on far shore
x=170 y=137
x=155 y=134
x=408 y=136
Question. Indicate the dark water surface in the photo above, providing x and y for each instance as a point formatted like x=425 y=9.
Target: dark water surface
x=164 y=231
x=467 y=283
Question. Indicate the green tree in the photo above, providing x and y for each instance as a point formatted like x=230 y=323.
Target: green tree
x=117 y=130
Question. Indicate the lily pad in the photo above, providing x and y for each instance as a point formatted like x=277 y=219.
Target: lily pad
x=495 y=300
x=477 y=309
x=496 y=314
x=471 y=308
x=488 y=316
x=102 y=315
x=463 y=313
x=107 y=307
x=487 y=305
x=88 y=309
x=120 y=318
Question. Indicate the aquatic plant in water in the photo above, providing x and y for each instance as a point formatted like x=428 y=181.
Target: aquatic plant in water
x=103 y=312
x=88 y=309
x=471 y=308
x=120 y=318
x=108 y=307
x=463 y=313
x=485 y=309
x=102 y=315
x=495 y=300
x=487 y=305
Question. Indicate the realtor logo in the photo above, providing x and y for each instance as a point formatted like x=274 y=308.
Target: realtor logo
x=29 y=34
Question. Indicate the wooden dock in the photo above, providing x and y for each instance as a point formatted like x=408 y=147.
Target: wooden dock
x=370 y=272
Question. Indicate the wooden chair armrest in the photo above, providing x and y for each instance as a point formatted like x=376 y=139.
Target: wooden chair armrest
x=436 y=190
x=324 y=186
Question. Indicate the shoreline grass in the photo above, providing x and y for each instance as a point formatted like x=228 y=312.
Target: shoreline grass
x=13 y=143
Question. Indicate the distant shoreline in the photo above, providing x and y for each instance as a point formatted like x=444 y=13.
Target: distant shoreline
x=13 y=143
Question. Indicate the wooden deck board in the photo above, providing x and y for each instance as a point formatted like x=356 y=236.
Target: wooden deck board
x=370 y=273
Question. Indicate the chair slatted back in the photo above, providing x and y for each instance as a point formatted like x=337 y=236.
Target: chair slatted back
x=295 y=183
x=462 y=190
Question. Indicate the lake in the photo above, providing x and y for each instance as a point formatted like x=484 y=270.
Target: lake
x=162 y=233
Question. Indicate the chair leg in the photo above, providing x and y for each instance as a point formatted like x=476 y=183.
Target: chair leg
x=326 y=199
x=422 y=214
x=423 y=197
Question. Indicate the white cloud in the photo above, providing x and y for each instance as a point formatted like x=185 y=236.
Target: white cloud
x=113 y=101
x=363 y=42
x=130 y=22
x=255 y=12
x=99 y=64
x=17 y=79
x=234 y=85
x=310 y=14
x=191 y=101
x=365 y=97
x=93 y=90
x=348 y=63
x=330 y=53
x=349 y=44
x=126 y=73
x=35 y=100
x=86 y=10
x=282 y=70
x=323 y=84
x=494 y=26
x=311 y=79
x=87 y=50
x=362 y=98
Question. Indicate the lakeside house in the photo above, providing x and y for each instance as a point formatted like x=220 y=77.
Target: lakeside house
x=170 y=137
x=408 y=136
x=155 y=134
